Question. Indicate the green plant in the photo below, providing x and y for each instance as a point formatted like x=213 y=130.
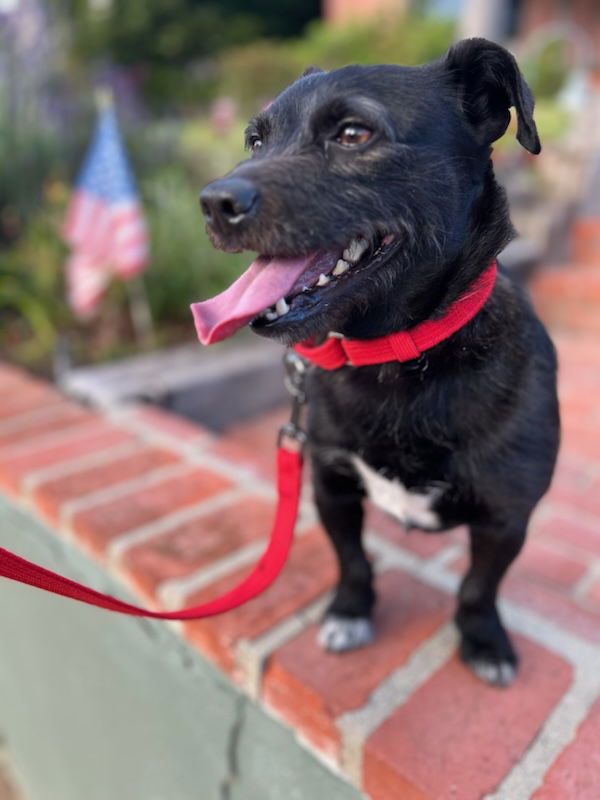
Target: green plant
x=184 y=266
x=28 y=332
x=256 y=72
x=32 y=309
x=546 y=70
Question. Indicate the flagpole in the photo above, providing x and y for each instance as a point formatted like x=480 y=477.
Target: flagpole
x=139 y=306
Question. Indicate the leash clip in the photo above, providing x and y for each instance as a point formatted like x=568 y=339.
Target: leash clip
x=294 y=380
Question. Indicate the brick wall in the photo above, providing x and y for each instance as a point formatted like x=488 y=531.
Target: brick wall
x=178 y=515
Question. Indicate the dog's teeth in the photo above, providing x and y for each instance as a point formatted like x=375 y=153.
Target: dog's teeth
x=281 y=307
x=305 y=289
x=355 y=250
x=340 y=267
x=270 y=315
x=323 y=280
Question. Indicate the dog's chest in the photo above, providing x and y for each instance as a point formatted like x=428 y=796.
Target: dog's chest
x=411 y=508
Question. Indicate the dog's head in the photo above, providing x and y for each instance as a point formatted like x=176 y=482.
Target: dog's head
x=363 y=183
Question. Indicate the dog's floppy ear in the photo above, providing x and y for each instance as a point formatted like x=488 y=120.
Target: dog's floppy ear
x=489 y=82
x=311 y=70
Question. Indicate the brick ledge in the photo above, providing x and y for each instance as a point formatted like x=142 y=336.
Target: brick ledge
x=179 y=515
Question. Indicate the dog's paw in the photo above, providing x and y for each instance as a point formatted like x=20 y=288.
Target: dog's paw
x=486 y=649
x=496 y=673
x=338 y=634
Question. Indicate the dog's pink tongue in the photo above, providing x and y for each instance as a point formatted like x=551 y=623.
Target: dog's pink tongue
x=261 y=286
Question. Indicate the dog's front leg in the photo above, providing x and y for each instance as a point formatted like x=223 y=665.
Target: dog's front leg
x=485 y=645
x=338 y=496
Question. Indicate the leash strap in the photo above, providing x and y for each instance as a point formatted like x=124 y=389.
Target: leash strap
x=289 y=485
x=336 y=351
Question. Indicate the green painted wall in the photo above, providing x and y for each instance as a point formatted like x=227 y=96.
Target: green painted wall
x=95 y=706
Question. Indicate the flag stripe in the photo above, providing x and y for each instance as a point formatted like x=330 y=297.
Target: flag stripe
x=104 y=224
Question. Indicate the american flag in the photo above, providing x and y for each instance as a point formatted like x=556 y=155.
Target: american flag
x=104 y=225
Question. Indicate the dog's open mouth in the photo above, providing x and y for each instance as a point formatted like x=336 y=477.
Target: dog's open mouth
x=273 y=287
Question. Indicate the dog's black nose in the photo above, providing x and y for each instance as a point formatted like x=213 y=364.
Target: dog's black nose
x=229 y=200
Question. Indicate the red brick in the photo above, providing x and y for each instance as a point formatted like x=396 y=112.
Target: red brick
x=559 y=609
x=586 y=499
x=585 y=242
x=258 y=463
x=50 y=495
x=582 y=439
x=66 y=415
x=566 y=298
x=576 y=532
x=420 y=543
x=540 y=563
x=575 y=483
x=195 y=544
x=545 y=564
x=27 y=398
x=577 y=349
x=8 y=790
x=576 y=772
x=310 y=572
x=10 y=372
x=98 y=525
x=455 y=737
x=311 y=688
x=253 y=444
x=15 y=467
x=181 y=430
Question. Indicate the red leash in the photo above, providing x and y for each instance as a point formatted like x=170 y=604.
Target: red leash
x=289 y=486
x=334 y=353
x=289 y=471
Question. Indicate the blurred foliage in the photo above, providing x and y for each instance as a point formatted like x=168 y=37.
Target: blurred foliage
x=184 y=266
x=546 y=71
x=162 y=38
x=256 y=72
x=182 y=54
x=31 y=307
x=30 y=152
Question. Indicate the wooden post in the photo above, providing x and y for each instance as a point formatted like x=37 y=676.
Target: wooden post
x=139 y=308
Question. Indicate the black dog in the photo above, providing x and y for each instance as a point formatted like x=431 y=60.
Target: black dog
x=390 y=168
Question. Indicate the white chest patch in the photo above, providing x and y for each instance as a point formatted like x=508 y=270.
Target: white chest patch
x=409 y=507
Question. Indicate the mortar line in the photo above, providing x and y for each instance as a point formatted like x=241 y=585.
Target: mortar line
x=176 y=590
x=88 y=461
x=126 y=415
x=590 y=576
x=568 y=645
x=571 y=512
x=118 y=546
x=24 y=420
x=251 y=654
x=356 y=726
x=50 y=440
x=121 y=490
x=556 y=733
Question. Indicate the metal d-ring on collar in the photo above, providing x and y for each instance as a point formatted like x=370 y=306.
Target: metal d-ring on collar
x=294 y=380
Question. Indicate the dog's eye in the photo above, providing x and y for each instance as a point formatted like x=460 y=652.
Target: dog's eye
x=353 y=135
x=255 y=144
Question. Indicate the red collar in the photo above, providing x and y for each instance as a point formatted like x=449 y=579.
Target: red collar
x=338 y=351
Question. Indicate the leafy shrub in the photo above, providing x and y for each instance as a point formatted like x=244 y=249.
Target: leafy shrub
x=546 y=70
x=255 y=73
x=31 y=290
x=184 y=266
